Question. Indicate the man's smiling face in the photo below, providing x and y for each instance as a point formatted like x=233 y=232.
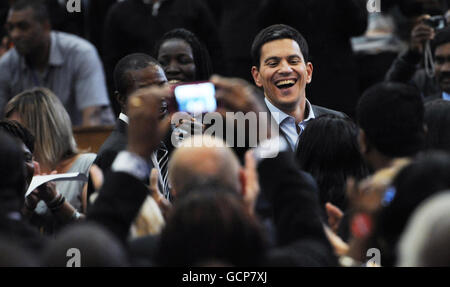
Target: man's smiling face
x=283 y=73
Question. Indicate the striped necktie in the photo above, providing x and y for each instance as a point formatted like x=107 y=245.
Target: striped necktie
x=162 y=156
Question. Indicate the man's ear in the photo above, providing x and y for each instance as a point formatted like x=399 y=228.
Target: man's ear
x=256 y=76
x=121 y=100
x=309 y=71
x=362 y=142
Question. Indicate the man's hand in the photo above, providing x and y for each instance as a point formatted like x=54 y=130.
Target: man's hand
x=46 y=192
x=163 y=203
x=147 y=125
x=236 y=95
x=420 y=34
x=334 y=216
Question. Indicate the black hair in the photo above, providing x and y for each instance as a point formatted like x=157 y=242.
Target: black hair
x=328 y=150
x=39 y=7
x=133 y=62
x=437 y=119
x=416 y=8
x=15 y=129
x=277 y=32
x=211 y=225
x=202 y=59
x=391 y=115
x=425 y=176
x=442 y=37
x=12 y=174
x=98 y=247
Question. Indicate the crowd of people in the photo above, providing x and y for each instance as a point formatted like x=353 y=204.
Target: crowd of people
x=343 y=164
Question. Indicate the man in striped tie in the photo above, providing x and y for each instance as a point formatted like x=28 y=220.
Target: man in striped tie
x=131 y=73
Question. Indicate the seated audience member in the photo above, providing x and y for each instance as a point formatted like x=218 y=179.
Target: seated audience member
x=424 y=243
x=133 y=72
x=424 y=177
x=66 y=64
x=40 y=111
x=282 y=69
x=13 y=227
x=183 y=57
x=328 y=150
x=95 y=246
x=390 y=119
x=437 y=119
x=406 y=67
x=26 y=139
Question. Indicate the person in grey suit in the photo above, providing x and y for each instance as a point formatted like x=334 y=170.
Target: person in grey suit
x=282 y=69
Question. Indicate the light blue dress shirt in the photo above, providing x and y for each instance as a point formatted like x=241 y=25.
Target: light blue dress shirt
x=287 y=122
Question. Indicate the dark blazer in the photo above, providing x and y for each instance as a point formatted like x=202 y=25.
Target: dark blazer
x=320 y=111
x=115 y=143
x=118 y=203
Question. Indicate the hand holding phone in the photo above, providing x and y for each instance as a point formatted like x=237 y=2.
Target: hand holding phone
x=193 y=98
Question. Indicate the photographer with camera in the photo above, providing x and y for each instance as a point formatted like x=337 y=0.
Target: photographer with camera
x=425 y=64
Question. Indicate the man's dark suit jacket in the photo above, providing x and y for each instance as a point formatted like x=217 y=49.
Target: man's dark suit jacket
x=115 y=143
x=320 y=111
x=263 y=207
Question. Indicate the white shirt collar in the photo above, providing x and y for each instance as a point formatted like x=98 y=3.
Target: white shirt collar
x=124 y=118
x=280 y=116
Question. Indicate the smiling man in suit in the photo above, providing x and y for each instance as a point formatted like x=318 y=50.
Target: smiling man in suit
x=131 y=73
x=282 y=69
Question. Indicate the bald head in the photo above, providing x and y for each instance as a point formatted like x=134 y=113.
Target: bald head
x=204 y=160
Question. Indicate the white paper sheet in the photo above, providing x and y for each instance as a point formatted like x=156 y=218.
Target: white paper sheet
x=41 y=179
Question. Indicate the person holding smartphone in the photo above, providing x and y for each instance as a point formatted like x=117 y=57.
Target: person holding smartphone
x=429 y=37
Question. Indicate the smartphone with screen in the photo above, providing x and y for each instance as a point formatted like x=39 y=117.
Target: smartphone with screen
x=193 y=98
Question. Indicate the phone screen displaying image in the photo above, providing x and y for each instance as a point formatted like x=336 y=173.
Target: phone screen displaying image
x=196 y=98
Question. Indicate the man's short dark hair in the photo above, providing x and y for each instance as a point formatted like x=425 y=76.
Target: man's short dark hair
x=442 y=37
x=392 y=117
x=39 y=7
x=277 y=32
x=437 y=119
x=18 y=131
x=133 y=62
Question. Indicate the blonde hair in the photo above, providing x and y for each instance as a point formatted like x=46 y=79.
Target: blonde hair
x=44 y=115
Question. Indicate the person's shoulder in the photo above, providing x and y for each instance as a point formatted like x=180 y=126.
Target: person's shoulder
x=319 y=111
x=70 y=43
x=10 y=57
x=85 y=160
